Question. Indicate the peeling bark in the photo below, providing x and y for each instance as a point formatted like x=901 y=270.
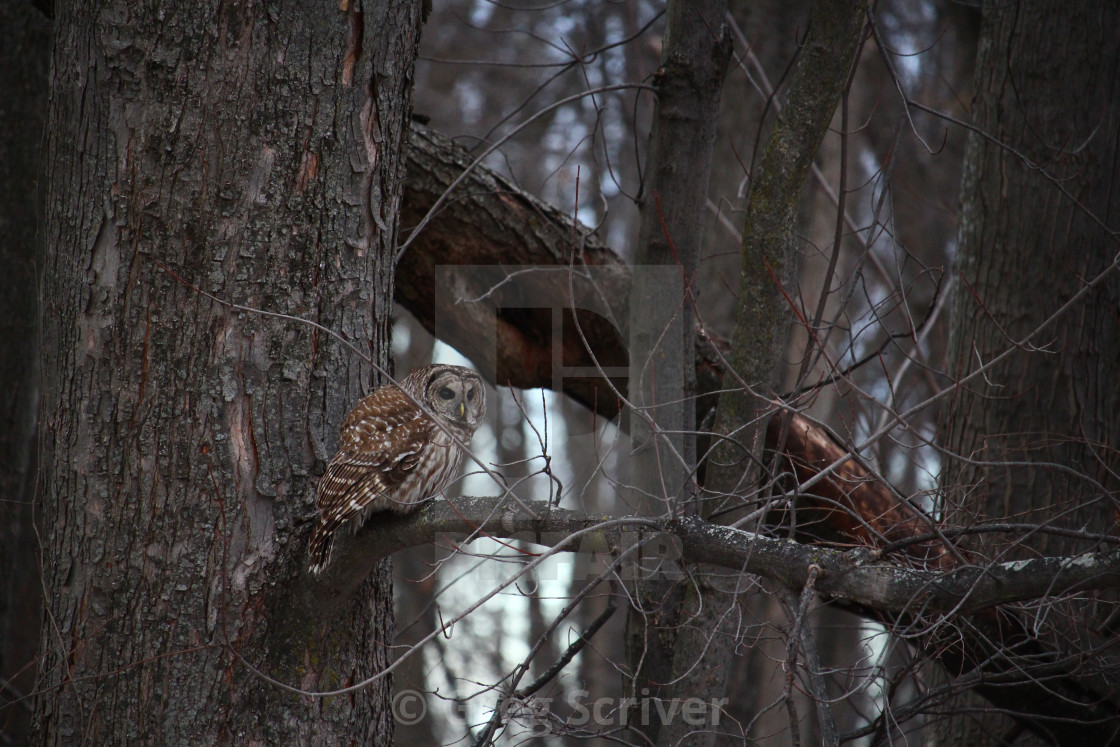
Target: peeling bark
x=221 y=152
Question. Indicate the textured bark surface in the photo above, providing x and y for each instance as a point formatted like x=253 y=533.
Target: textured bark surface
x=454 y=277
x=851 y=503
x=488 y=229
x=255 y=152
x=1038 y=433
x=663 y=658
x=768 y=252
x=1052 y=97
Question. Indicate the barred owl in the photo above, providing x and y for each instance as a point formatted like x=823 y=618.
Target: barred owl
x=393 y=455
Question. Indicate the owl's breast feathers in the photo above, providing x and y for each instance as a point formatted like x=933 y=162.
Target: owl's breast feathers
x=392 y=455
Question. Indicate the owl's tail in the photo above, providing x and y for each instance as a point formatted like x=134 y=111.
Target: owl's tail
x=320 y=548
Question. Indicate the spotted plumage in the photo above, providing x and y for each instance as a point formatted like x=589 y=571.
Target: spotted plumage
x=392 y=454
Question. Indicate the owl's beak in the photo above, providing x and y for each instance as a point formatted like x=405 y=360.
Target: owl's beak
x=463 y=410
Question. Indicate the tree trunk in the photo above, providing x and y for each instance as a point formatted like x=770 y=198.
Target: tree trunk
x=254 y=153
x=1037 y=434
x=662 y=330
x=767 y=259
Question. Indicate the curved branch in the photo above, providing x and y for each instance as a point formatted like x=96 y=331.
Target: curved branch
x=969 y=628
x=456 y=279
x=858 y=576
x=492 y=223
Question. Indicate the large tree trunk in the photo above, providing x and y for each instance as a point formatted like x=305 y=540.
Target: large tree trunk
x=1037 y=434
x=256 y=153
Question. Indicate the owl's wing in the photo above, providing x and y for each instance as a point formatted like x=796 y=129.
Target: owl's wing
x=382 y=443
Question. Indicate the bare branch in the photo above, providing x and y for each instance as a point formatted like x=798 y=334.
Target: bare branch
x=857 y=576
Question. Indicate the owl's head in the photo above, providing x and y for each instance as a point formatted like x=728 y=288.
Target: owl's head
x=456 y=394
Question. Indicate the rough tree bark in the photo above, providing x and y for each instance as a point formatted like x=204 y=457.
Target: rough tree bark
x=148 y=491
x=255 y=152
x=662 y=337
x=1038 y=433
x=484 y=225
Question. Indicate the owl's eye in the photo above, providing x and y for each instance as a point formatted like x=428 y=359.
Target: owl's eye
x=470 y=395
x=446 y=393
